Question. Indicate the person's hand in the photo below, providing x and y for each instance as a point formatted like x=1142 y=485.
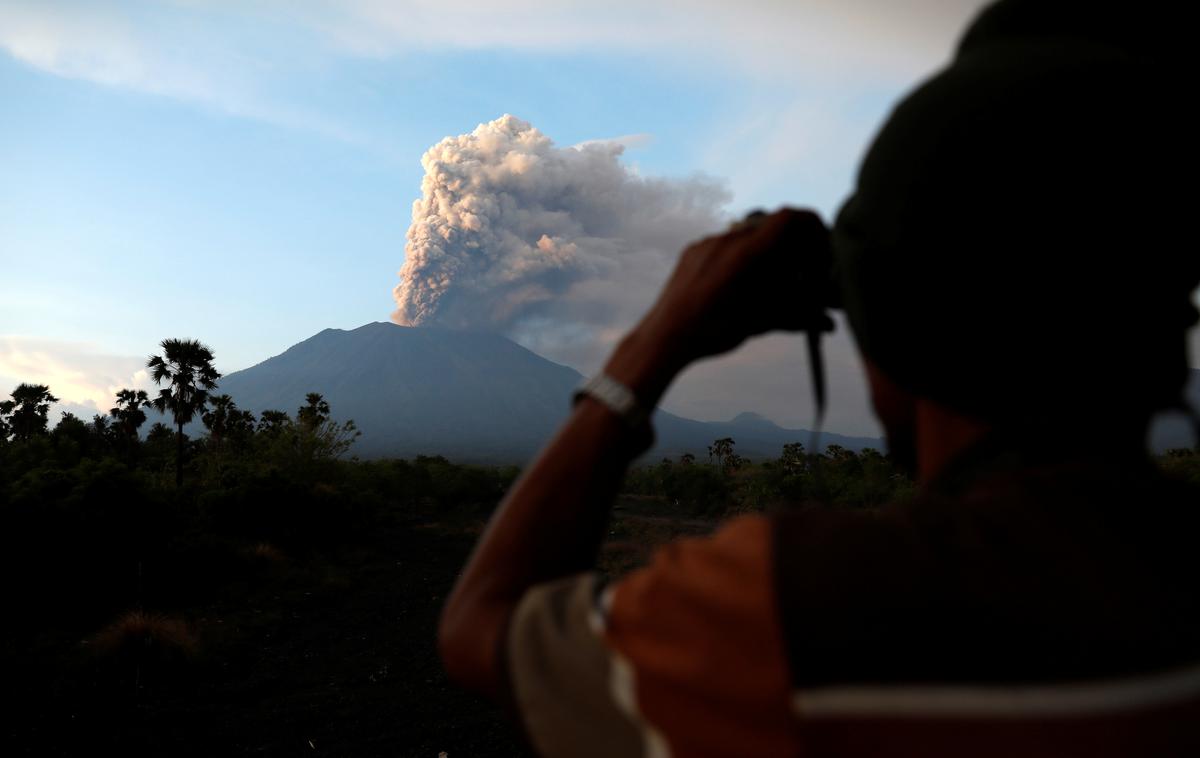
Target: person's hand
x=768 y=272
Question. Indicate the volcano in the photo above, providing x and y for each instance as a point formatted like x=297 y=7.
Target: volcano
x=470 y=396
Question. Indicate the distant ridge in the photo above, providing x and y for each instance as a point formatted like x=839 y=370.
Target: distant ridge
x=470 y=396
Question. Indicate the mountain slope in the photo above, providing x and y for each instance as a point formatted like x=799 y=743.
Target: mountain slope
x=470 y=396
x=413 y=391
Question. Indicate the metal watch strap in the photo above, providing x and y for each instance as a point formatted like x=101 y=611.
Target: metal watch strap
x=616 y=397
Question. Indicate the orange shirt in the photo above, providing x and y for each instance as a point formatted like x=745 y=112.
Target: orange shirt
x=1015 y=609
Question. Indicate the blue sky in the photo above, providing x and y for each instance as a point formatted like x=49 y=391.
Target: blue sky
x=244 y=173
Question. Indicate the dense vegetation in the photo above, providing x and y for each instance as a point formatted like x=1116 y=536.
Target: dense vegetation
x=176 y=595
x=257 y=589
x=727 y=483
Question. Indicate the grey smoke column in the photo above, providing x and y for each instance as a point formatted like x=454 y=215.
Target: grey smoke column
x=514 y=234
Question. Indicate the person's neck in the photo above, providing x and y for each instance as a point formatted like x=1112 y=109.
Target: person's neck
x=941 y=434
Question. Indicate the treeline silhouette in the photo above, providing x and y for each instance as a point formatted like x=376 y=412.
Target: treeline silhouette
x=97 y=503
x=726 y=483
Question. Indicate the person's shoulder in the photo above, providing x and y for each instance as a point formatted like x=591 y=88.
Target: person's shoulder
x=698 y=632
x=717 y=609
x=721 y=580
x=725 y=564
x=684 y=655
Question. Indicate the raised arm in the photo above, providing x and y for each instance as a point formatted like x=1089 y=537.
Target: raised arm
x=550 y=524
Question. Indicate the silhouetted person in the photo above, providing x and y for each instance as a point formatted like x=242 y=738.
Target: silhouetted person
x=1014 y=268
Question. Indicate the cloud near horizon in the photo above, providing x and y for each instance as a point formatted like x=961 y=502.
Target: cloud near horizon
x=84 y=378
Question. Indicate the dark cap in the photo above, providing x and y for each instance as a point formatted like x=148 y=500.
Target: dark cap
x=1015 y=246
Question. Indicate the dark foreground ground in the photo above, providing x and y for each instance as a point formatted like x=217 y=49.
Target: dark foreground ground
x=324 y=654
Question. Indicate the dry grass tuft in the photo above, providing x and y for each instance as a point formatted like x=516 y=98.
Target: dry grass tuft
x=146 y=637
x=265 y=551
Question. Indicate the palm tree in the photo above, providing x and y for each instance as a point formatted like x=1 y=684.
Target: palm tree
x=26 y=412
x=225 y=421
x=794 y=460
x=271 y=423
x=186 y=368
x=216 y=419
x=314 y=412
x=128 y=412
x=320 y=437
x=721 y=449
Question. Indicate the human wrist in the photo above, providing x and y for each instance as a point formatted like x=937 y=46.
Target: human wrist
x=646 y=361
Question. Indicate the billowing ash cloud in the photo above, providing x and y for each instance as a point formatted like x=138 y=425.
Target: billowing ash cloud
x=552 y=245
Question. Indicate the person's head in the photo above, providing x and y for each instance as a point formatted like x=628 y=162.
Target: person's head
x=1015 y=246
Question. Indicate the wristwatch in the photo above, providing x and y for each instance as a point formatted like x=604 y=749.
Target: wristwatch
x=616 y=397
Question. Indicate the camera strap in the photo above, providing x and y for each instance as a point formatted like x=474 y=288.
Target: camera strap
x=816 y=367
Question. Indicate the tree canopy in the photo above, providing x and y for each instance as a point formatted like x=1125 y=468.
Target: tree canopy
x=24 y=416
x=186 y=368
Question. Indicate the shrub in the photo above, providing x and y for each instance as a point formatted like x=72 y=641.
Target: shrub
x=142 y=650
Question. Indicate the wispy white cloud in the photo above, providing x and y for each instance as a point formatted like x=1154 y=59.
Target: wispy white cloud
x=165 y=50
x=771 y=38
x=229 y=56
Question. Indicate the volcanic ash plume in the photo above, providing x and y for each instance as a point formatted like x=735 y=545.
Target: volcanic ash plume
x=514 y=234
